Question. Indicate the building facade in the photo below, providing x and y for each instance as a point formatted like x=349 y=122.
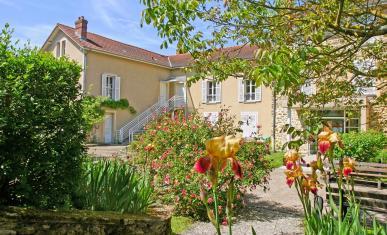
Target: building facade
x=153 y=82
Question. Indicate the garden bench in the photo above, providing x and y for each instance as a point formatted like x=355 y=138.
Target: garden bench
x=370 y=185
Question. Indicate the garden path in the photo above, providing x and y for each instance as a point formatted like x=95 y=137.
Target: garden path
x=276 y=211
x=106 y=150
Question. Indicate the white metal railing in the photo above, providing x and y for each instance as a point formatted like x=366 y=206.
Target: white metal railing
x=367 y=91
x=137 y=124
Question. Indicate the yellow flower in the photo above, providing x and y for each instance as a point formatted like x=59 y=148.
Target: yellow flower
x=219 y=150
x=327 y=139
x=292 y=155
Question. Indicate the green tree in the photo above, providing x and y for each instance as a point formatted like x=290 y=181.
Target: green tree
x=42 y=129
x=298 y=42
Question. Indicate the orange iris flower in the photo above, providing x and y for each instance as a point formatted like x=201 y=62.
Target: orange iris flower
x=349 y=166
x=327 y=139
x=219 y=150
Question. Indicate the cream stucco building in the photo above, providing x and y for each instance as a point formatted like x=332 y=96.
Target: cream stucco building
x=152 y=82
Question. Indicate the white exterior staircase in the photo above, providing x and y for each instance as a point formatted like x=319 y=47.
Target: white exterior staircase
x=137 y=124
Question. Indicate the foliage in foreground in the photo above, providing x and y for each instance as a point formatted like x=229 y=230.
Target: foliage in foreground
x=335 y=219
x=42 y=130
x=113 y=185
x=364 y=146
x=169 y=149
x=354 y=222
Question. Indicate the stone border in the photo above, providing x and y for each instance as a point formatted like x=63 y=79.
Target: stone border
x=16 y=220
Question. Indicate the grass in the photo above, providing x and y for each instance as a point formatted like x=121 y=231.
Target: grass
x=276 y=159
x=180 y=224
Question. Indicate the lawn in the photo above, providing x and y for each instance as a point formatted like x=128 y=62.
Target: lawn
x=180 y=223
x=276 y=159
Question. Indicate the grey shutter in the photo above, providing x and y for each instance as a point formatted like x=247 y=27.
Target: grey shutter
x=218 y=91
x=241 y=90
x=103 y=85
x=258 y=93
x=117 y=88
x=204 y=91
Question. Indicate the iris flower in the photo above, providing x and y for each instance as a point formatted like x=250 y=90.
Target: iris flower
x=219 y=150
x=327 y=139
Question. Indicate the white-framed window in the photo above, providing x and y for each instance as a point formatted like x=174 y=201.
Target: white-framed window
x=365 y=85
x=57 y=50
x=249 y=124
x=249 y=91
x=211 y=117
x=60 y=49
x=111 y=86
x=63 y=48
x=211 y=91
x=309 y=88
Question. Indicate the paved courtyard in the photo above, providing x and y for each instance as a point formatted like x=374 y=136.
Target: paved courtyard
x=277 y=211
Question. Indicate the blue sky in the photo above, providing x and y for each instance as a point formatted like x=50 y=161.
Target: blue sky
x=117 y=19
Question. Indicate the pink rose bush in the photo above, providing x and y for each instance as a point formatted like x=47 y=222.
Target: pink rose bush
x=178 y=162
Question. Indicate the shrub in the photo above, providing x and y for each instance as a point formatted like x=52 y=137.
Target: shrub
x=41 y=126
x=364 y=146
x=113 y=185
x=169 y=148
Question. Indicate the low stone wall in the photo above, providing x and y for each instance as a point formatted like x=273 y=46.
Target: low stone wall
x=14 y=220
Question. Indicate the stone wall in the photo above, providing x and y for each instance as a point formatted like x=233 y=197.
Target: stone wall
x=14 y=220
x=285 y=116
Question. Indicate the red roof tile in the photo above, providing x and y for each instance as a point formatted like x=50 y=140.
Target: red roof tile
x=103 y=44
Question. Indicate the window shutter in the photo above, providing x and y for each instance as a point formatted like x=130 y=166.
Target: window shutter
x=241 y=90
x=258 y=93
x=204 y=91
x=103 y=85
x=117 y=82
x=218 y=91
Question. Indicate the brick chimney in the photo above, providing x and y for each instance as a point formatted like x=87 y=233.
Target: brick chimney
x=81 y=27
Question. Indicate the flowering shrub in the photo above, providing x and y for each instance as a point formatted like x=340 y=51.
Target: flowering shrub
x=169 y=148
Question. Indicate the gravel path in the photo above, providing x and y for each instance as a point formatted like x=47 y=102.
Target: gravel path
x=277 y=211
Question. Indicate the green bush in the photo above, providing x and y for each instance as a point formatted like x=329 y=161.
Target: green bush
x=113 y=185
x=176 y=143
x=364 y=146
x=41 y=126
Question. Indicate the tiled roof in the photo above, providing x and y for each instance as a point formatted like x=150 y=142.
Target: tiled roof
x=103 y=44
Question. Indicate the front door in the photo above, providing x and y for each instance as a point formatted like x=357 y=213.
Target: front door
x=249 y=124
x=108 y=129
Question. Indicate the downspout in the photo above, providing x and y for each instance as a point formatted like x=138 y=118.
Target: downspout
x=84 y=85
x=274 y=117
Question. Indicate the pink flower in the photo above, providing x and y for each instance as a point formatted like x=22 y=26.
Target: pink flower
x=167 y=179
x=237 y=169
x=324 y=146
x=289 y=165
x=183 y=192
x=210 y=200
x=289 y=182
x=202 y=165
x=225 y=222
